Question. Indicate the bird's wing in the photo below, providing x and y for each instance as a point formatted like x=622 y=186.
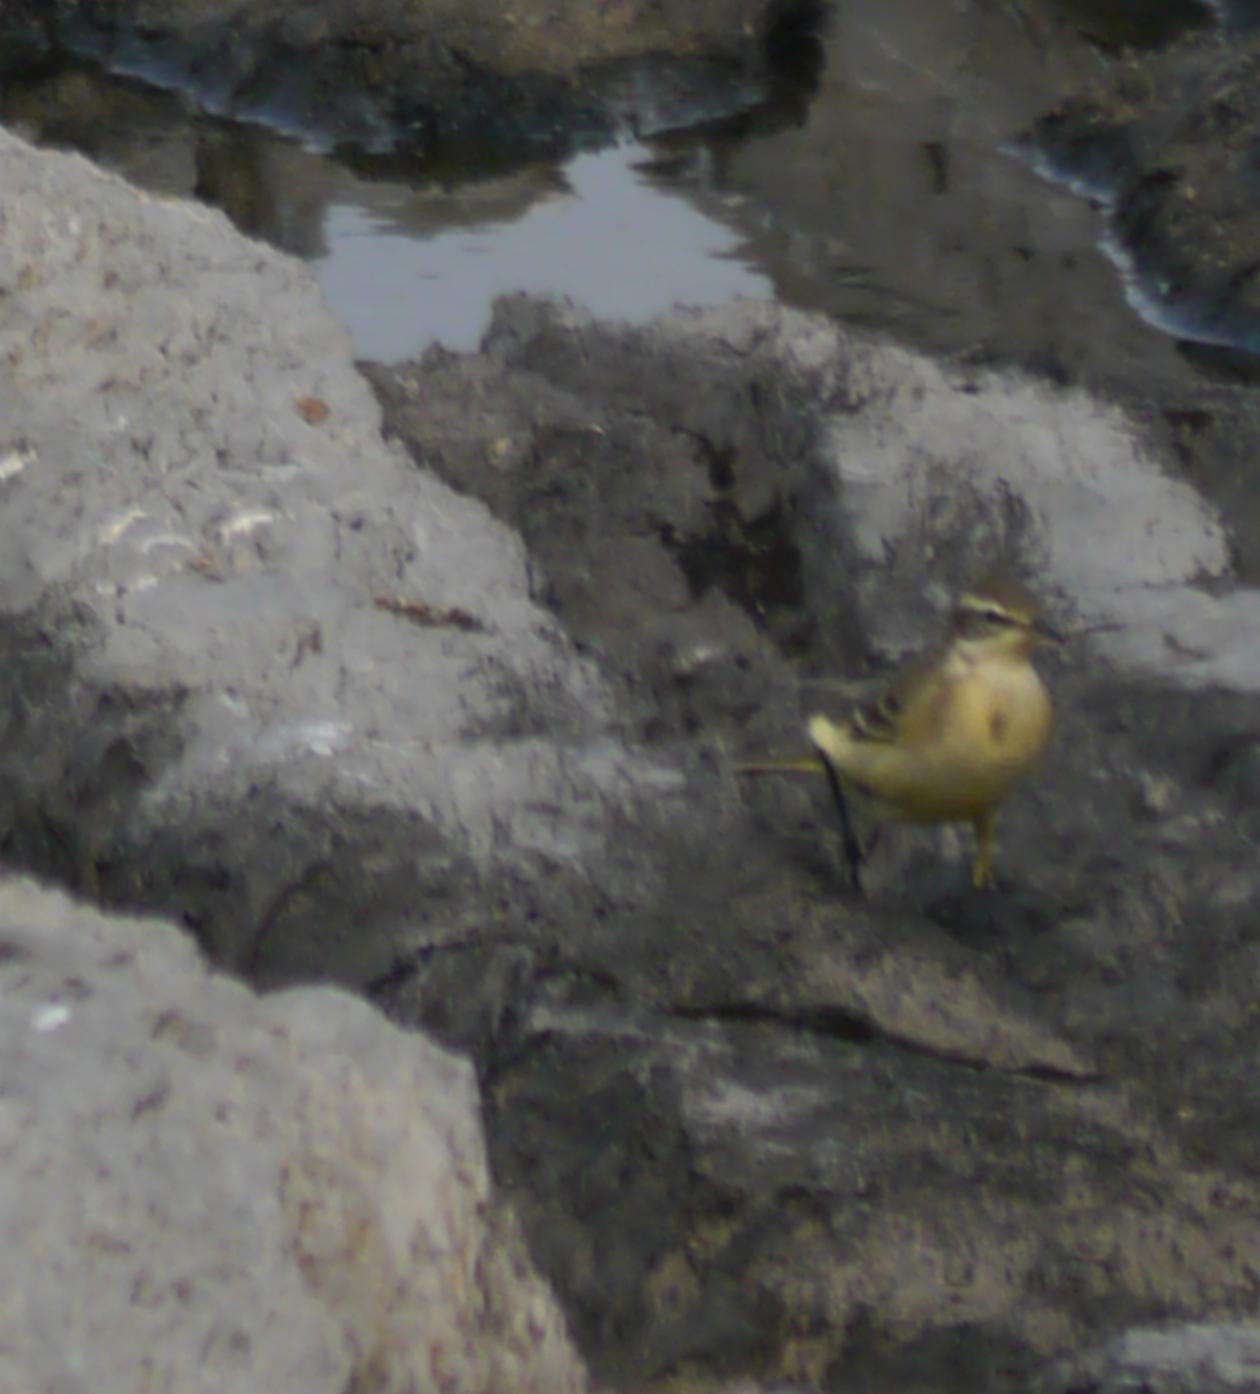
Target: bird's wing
x=907 y=708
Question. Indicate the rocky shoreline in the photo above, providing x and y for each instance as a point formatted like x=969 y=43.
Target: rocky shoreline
x=429 y=682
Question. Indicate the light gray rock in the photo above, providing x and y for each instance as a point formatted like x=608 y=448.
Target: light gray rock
x=1201 y=1359
x=951 y=469
x=262 y=605
x=206 y=1190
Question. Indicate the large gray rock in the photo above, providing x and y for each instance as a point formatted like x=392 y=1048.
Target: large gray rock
x=207 y=1190
x=231 y=608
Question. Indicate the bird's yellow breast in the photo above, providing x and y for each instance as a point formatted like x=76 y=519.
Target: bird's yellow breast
x=963 y=741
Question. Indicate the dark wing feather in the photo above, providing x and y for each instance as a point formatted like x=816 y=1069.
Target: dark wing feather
x=880 y=717
x=877 y=719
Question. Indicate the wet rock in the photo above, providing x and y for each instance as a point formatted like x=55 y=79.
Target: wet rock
x=203 y=1189
x=440 y=73
x=24 y=24
x=1170 y=139
x=1117 y=24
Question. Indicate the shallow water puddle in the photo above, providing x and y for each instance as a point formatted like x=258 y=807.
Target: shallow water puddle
x=885 y=193
x=603 y=233
x=406 y=254
x=875 y=187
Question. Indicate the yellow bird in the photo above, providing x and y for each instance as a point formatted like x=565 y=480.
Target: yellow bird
x=949 y=738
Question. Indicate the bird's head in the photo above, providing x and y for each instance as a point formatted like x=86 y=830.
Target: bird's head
x=998 y=616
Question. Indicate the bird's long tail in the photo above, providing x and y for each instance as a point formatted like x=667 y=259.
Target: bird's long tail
x=815 y=765
x=801 y=764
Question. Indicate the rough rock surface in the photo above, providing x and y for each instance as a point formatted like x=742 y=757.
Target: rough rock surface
x=754 y=1128
x=431 y=72
x=1170 y=140
x=728 y=507
x=205 y=1190
x=235 y=619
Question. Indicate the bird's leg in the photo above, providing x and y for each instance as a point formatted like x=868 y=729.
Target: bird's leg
x=982 y=866
x=852 y=847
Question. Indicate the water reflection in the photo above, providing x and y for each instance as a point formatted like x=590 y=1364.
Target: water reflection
x=874 y=184
x=406 y=255
x=598 y=230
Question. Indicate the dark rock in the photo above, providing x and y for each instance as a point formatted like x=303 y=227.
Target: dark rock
x=913 y=1144
x=1172 y=140
x=438 y=74
x=1118 y=24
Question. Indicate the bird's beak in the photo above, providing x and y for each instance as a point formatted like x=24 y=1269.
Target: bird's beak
x=1046 y=633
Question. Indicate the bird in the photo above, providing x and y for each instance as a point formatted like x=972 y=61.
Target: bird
x=950 y=736
x=956 y=730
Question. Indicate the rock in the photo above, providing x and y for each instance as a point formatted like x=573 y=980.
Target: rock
x=1170 y=140
x=223 y=592
x=826 y=496
x=441 y=76
x=24 y=26
x=1173 y=1360
x=205 y=1190
x=879 y=1145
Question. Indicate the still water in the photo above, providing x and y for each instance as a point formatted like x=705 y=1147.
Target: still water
x=581 y=236
x=406 y=257
x=878 y=185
